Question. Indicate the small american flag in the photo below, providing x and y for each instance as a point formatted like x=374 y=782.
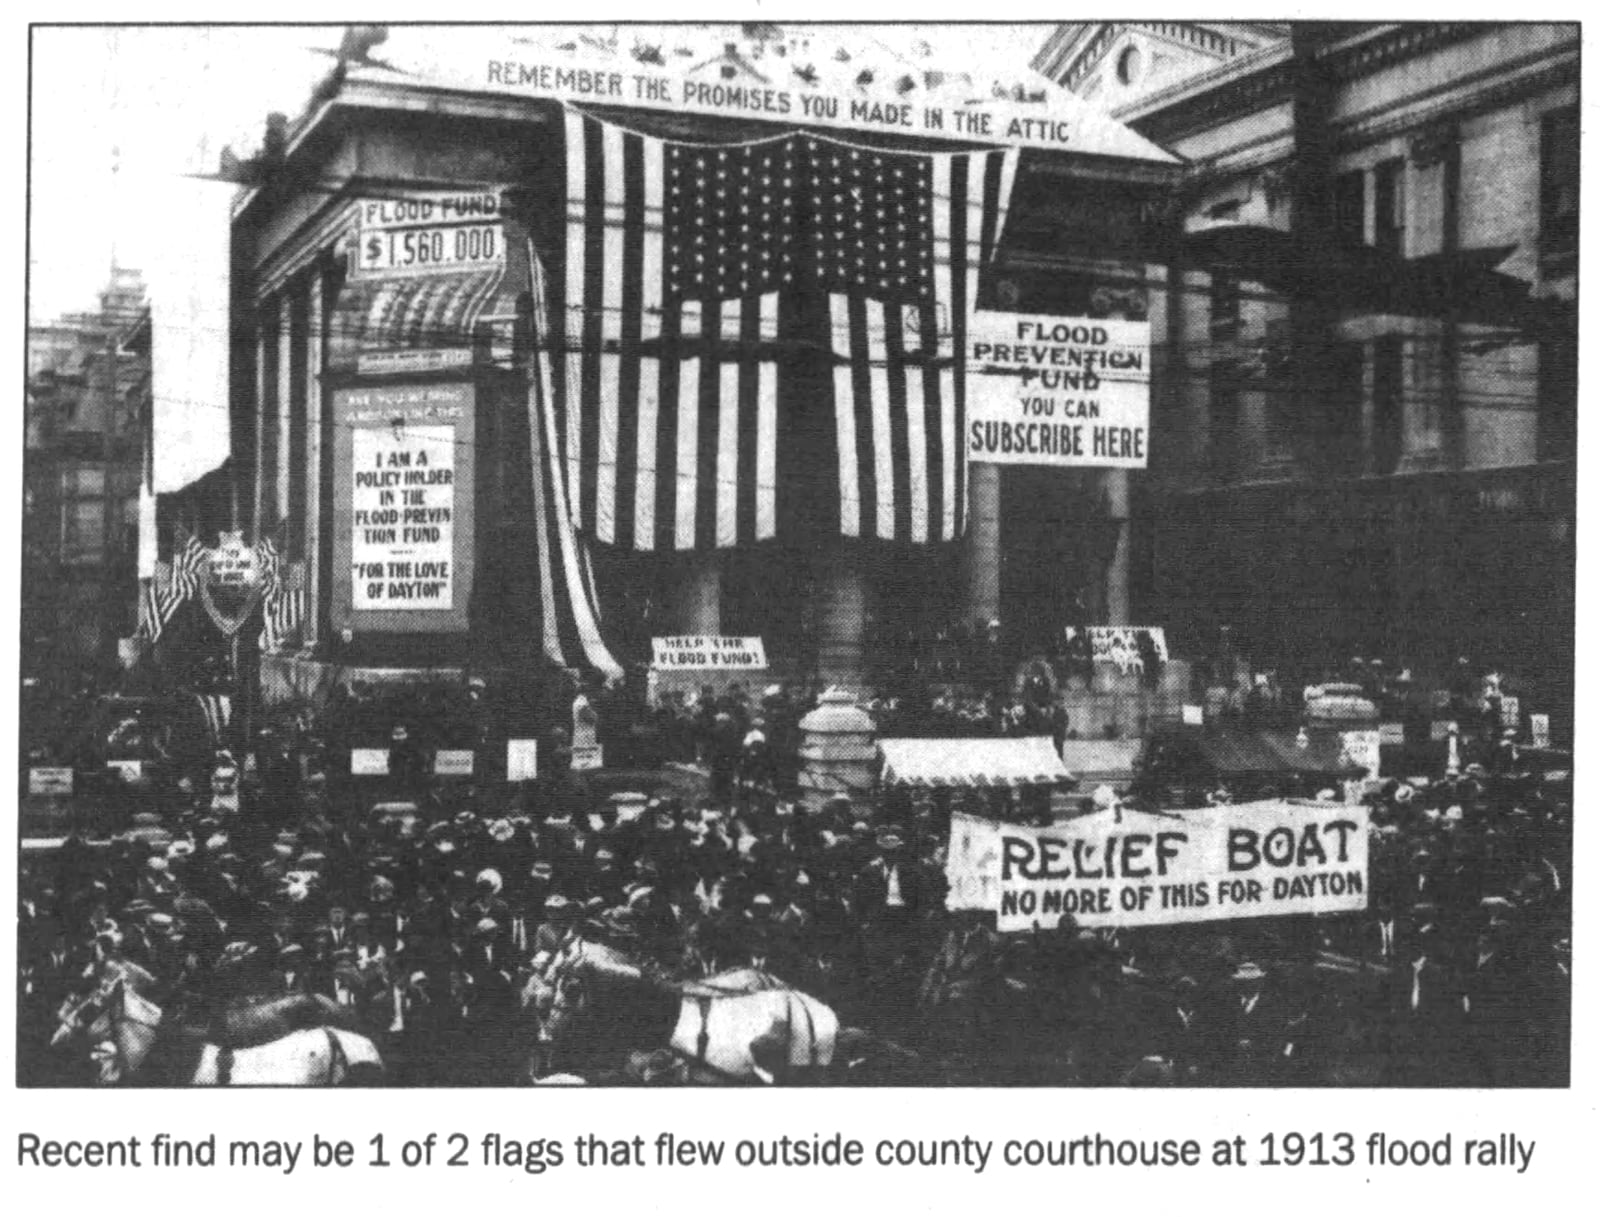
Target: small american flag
x=161 y=595
x=283 y=603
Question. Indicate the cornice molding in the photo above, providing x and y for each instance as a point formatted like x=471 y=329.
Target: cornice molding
x=1188 y=107
x=1459 y=100
x=311 y=243
x=1082 y=56
x=1198 y=103
x=1386 y=46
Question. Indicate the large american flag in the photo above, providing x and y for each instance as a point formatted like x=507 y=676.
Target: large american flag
x=738 y=315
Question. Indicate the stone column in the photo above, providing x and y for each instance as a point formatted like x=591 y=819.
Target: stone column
x=258 y=492
x=312 y=529
x=841 y=620
x=285 y=401
x=982 y=553
x=697 y=599
x=1116 y=590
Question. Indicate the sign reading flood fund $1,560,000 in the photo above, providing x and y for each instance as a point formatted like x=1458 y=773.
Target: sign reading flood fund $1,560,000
x=403 y=517
x=1267 y=859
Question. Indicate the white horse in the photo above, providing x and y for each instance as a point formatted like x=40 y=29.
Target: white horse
x=741 y=1026
x=126 y=1026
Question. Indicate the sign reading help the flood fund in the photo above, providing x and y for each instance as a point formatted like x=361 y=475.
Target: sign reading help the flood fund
x=707 y=651
x=1267 y=859
x=1064 y=391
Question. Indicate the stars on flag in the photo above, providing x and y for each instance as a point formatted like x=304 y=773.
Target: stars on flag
x=749 y=219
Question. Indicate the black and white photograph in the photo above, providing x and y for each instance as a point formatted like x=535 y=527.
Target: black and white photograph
x=779 y=554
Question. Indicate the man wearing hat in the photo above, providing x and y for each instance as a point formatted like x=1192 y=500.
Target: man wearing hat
x=559 y=919
x=886 y=897
x=1255 y=1022
x=290 y=976
x=489 y=905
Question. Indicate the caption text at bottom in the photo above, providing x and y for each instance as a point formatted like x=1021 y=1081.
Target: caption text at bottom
x=670 y=1150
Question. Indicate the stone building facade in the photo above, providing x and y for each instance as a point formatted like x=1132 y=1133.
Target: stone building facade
x=1365 y=416
x=308 y=335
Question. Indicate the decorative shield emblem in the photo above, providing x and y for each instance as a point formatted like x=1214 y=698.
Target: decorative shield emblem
x=232 y=586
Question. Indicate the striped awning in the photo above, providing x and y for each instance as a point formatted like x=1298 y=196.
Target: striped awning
x=451 y=318
x=1028 y=761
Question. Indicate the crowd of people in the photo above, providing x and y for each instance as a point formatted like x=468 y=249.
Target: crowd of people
x=424 y=920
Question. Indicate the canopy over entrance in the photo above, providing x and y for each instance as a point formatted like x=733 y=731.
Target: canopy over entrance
x=1029 y=761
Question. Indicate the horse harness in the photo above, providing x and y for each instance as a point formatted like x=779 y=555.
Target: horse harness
x=703 y=1002
x=338 y=1060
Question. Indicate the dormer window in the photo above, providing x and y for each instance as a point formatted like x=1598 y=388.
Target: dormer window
x=1130 y=64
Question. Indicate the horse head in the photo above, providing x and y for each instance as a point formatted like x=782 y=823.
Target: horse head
x=572 y=982
x=98 y=1015
x=75 y=1014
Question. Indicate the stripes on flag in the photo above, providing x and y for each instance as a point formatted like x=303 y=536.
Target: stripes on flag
x=150 y=622
x=570 y=608
x=669 y=418
x=161 y=595
x=899 y=387
x=679 y=263
x=217 y=709
x=283 y=599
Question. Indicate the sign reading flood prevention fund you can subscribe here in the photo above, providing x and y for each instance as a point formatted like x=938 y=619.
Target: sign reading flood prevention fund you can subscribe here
x=1268 y=859
x=1066 y=391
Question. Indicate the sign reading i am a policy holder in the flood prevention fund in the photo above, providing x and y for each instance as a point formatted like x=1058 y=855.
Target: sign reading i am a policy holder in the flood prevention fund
x=403 y=507
x=1066 y=391
x=1267 y=859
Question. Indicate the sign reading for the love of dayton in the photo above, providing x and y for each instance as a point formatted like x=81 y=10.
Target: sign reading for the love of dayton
x=1266 y=859
x=1063 y=391
x=403 y=507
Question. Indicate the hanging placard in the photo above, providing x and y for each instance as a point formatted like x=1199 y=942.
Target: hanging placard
x=1539 y=729
x=369 y=762
x=1072 y=392
x=522 y=760
x=231 y=588
x=453 y=762
x=50 y=780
